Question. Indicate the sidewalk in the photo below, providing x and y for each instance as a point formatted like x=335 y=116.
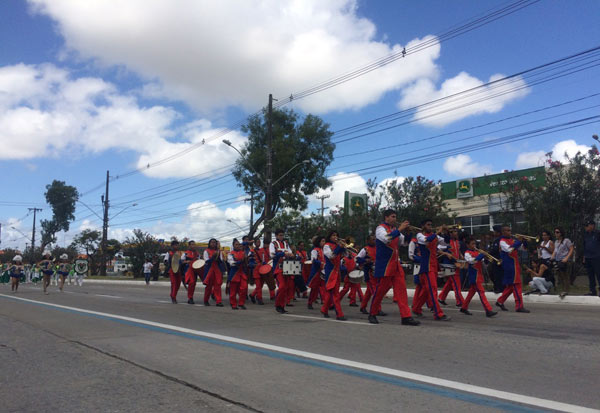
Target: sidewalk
x=492 y=297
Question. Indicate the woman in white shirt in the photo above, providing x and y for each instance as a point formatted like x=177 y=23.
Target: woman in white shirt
x=546 y=248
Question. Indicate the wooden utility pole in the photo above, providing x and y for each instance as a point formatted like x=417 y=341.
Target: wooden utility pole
x=105 y=204
x=269 y=188
x=323 y=207
x=33 y=233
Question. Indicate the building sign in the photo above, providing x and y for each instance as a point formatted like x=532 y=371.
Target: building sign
x=464 y=188
x=355 y=204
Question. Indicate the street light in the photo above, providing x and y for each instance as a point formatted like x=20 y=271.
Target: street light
x=20 y=232
x=235 y=223
x=228 y=143
x=304 y=162
x=128 y=206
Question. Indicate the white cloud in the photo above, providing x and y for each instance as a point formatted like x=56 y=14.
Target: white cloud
x=341 y=182
x=537 y=158
x=463 y=166
x=490 y=99
x=216 y=54
x=43 y=112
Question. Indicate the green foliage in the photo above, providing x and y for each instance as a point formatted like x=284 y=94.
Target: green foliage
x=300 y=228
x=138 y=247
x=61 y=198
x=293 y=142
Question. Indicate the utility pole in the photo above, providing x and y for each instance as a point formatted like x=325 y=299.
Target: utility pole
x=33 y=233
x=269 y=188
x=323 y=207
x=251 y=210
x=104 y=227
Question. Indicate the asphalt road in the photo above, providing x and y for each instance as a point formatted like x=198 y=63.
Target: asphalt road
x=127 y=348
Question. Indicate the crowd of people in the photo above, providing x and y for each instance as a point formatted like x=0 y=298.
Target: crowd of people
x=293 y=272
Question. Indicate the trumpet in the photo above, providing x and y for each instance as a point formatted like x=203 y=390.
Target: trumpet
x=347 y=246
x=490 y=256
x=529 y=237
x=414 y=229
x=455 y=226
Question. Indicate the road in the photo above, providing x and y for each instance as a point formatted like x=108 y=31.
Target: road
x=127 y=348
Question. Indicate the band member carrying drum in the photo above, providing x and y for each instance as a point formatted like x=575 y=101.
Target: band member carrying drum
x=237 y=279
x=453 y=281
x=191 y=255
x=278 y=250
x=261 y=259
x=213 y=277
x=333 y=252
x=174 y=266
x=315 y=282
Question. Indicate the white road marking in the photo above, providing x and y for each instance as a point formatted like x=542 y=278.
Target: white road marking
x=435 y=381
x=108 y=296
x=329 y=319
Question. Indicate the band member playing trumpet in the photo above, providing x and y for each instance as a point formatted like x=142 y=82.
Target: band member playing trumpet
x=512 y=270
x=475 y=279
x=315 y=282
x=453 y=281
x=237 y=279
x=191 y=255
x=175 y=277
x=333 y=252
x=365 y=259
x=261 y=259
x=428 y=246
x=213 y=277
x=278 y=250
x=388 y=271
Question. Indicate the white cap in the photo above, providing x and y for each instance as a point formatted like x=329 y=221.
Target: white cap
x=64 y=257
x=18 y=258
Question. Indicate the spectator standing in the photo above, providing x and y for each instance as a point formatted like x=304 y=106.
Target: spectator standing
x=546 y=248
x=563 y=251
x=148 y=270
x=591 y=255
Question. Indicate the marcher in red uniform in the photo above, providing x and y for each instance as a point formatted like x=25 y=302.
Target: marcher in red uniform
x=428 y=246
x=315 y=282
x=512 y=270
x=213 y=275
x=388 y=271
x=303 y=255
x=414 y=254
x=191 y=255
x=475 y=279
x=453 y=282
x=175 y=277
x=365 y=259
x=261 y=259
x=278 y=250
x=349 y=262
x=333 y=254
x=237 y=279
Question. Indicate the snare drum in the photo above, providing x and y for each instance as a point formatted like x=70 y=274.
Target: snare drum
x=291 y=267
x=356 y=276
x=447 y=270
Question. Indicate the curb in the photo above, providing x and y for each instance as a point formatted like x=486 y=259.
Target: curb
x=492 y=297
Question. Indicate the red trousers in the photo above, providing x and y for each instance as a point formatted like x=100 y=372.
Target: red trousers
x=371 y=284
x=477 y=288
x=382 y=286
x=516 y=289
x=213 y=281
x=316 y=285
x=332 y=297
x=291 y=288
x=175 y=283
x=238 y=289
x=428 y=284
x=306 y=272
x=452 y=283
x=258 y=285
x=190 y=279
x=354 y=289
x=281 y=297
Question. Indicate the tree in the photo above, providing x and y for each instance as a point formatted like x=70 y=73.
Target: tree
x=299 y=227
x=88 y=242
x=138 y=247
x=293 y=142
x=61 y=198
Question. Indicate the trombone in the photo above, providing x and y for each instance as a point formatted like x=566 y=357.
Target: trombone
x=349 y=247
x=528 y=237
x=489 y=256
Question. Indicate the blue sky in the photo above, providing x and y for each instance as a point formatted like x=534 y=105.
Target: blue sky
x=87 y=87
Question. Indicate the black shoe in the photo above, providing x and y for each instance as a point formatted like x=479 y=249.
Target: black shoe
x=310 y=307
x=213 y=297
x=501 y=306
x=465 y=311
x=290 y=305
x=206 y=304
x=260 y=302
x=332 y=308
x=190 y=301
x=253 y=299
x=353 y=305
x=459 y=305
x=173 y=301
x=442 y=302
x=382 y=314
x=443 y=318
x=364 y=311
x=342 y=318
x=417 y=314
x=326 y=315
x=219 y=304
x=243 y=307
x=234 y=308
x=523 y=310
x=409 y=321
x=373 y=319
x=490 y=313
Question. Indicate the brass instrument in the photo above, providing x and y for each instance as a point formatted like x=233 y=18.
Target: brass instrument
x=455 y=226
x=415 y=229
x=529 y=237
x=349 y=247
x=489 y=256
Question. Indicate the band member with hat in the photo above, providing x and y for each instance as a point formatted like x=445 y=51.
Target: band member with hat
x=237 y=278
x=453 y=282
x=315 y=282
x=213 y=277
x=512 y=270
x=475 y=279
x=278 y=250
x=388 y=271
x=191 y=255
x=64 y=267
x=16 y=272
x=46 y=265
x=333 y=253
x=174 y=276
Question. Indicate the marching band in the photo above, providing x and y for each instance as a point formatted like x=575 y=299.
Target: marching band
x=291 y=272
